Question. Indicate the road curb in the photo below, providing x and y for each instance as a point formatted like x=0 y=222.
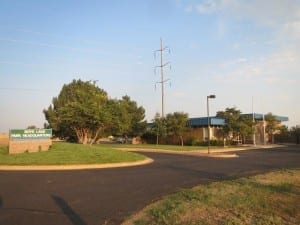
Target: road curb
x=191 y=153
x=74 y=167
x=216 y=153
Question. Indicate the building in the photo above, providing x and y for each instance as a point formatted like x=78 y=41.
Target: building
x=200 y=128
x=199 y=131
x=261 y=137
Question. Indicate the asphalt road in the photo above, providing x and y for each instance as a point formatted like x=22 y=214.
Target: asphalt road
x=108 y=196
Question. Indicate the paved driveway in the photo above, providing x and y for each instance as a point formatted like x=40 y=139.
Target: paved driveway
x=107 y=196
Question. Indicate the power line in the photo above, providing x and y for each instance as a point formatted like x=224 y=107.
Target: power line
x=162 y=81
x=25 y=89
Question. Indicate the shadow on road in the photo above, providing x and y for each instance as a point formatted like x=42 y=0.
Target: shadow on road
x=68 y=211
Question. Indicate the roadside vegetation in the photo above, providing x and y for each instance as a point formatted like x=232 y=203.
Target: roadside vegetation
x=62 y=153
x=269 y=199
x=84 y=113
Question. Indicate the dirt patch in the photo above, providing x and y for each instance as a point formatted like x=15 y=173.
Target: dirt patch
x=4 y=139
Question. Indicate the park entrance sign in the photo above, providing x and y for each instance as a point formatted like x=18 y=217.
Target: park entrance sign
x=30 y=134
x=29 y=140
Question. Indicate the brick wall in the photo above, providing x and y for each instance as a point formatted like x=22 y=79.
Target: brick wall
x=30 y=146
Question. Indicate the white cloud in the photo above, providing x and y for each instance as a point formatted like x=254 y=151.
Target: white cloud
x=277 y=68
x=236 y=46
x=208 y=6
x=265 y=12
x=232 y=63
x=292 y=29
x=188 y=8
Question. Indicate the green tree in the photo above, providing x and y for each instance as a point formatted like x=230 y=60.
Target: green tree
x=177 y=124
x=284 y=135
x=118 y=115
x=246 y=125
x=295 y=132
x=80 y=110
x=233 y=123
x=127 y=117
x=272 y=125
x=159 y=127
x=134 y=117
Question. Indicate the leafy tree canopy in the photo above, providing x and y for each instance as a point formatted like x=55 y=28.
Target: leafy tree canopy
x=79 y=110
x=128 y=117
x=84 y=112
x=177 y=124
x=232 y=118
x=173 y=124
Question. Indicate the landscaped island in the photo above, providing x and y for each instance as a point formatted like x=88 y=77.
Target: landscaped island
x=62 y=153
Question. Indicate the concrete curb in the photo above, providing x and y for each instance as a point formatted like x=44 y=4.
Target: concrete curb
x=216 y=153
x=74 y=167
x=192 y=153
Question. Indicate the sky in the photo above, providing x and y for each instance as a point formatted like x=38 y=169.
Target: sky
x=247 y=53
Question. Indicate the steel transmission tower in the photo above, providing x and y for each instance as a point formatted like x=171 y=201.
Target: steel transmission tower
x=163 y=80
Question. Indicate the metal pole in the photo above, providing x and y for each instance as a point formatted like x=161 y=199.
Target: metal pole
x=253 y=126
x=162 y=80
x=264 y=129
x=208 y=127
x=208 y=122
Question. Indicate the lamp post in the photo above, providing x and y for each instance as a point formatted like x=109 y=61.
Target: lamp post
x=208 y=121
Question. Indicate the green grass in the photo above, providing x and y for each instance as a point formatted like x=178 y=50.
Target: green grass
x=270 y=199
x=62 y=153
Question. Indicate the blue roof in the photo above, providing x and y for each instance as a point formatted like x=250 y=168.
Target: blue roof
x=282 y=118
x=217 y=121
x=259 y=116
x=203 y=121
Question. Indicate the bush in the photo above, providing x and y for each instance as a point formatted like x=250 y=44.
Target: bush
x=149 y=138
x=194 y=141
x=217 y=143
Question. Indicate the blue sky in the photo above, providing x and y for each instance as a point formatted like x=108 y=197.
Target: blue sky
x=235 y=49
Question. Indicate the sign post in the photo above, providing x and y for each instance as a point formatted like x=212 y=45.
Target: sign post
x=30 y=134
x=29 y=140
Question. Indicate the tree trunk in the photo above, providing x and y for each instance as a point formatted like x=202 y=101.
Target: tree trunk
x=244 y=139
x=79 y=134
x=85 y=136
x=181 y=139
x=96 y=136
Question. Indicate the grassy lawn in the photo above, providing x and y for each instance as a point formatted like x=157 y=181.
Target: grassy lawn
x=66 y=153
x=269 y=199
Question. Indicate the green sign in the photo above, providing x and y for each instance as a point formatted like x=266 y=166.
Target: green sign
x=30 y=134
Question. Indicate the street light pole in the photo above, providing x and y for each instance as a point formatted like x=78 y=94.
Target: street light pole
x=208 y=122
